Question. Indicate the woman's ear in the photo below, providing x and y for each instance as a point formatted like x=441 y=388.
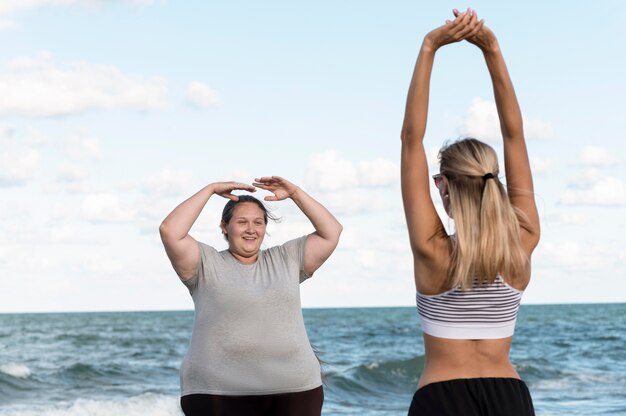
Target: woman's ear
x=444 y=188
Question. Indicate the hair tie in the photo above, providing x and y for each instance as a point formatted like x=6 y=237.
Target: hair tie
x=488 y=176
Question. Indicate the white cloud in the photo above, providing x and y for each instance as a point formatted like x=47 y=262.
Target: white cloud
x=170 y=183
x=82 y=147
x=6 y=133
x=201 y=95
x=540 y=165
x=432 y=157
x=100 y=264
x=17 y=164
x=28 y=135
x=39 y=87
x=7 y=24
x=62 y=233
x=570 y=218
x=378 y=172
x=481 y=121
x=596 y=156
x=105 y=207
x=595 y=188
x=79 y=187
x=352 y=202
x=72 y=173
x=537 y=129
x=71 y=178
x=571 y=255
x=329 y=172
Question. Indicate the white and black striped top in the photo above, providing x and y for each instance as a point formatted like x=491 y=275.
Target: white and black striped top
x=484 y=311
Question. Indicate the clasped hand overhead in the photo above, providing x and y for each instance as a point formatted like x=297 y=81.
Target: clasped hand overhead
x=280 y=187
x=465 y=26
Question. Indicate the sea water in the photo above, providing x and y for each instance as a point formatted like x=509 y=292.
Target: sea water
x=573 y=358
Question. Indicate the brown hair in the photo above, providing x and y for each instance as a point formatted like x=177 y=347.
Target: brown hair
x=229 y=209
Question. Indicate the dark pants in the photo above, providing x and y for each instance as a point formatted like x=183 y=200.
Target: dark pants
x=304 y=403
x=473 y=397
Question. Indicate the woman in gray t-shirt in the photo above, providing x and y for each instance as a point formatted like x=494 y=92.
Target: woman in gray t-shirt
x=249 y=352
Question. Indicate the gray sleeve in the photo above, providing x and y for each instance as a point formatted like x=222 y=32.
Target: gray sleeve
x=294 y=249
x=207 y=254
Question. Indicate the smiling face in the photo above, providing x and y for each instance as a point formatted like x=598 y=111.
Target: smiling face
x=245 y=231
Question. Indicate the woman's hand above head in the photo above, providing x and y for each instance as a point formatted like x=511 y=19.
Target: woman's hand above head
x=320 y=244
x=280 y=187
x=225 y=189
x=465 y=25
x=483 y=37
x=182 y=249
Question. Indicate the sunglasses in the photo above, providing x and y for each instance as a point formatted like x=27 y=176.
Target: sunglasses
x=438 y=178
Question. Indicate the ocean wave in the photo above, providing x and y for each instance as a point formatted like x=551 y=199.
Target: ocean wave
x=12 y=387
x=394 y=376
x=83 y=371
x=16 y=370
x=145 y=404
x=581 y=382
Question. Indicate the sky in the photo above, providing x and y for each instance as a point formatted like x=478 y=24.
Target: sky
x=113 y=112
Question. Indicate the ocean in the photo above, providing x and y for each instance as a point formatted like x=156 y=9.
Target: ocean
x=573 y=358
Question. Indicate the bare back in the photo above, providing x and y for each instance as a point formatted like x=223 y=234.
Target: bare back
x=448 y=359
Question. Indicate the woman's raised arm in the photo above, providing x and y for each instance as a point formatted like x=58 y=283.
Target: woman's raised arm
x=422 y=219
x=181 y=248
x=320 y=244
x=518 y=175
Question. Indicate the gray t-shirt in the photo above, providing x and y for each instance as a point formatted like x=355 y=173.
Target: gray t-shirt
x=249 y=336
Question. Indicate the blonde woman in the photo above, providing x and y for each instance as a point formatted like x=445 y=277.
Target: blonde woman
x=469 y=284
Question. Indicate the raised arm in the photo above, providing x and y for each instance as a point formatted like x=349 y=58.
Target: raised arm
x=181 y=248
x=320 y=244
x=518 y=175
x=426 y=232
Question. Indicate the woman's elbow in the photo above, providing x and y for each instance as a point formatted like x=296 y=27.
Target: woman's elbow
x=338 y=229
x=411 y=133
x=164 y=230
x=405 y=135
x=333 y=237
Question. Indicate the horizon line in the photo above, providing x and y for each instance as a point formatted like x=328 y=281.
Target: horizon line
x=303 y=308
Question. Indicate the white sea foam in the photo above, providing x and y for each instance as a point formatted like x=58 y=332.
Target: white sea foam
x=15 y=370
x=145 y=404
x=372 y=366
x=577 y=381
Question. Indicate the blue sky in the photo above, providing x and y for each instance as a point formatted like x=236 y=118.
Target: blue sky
x=112 y=112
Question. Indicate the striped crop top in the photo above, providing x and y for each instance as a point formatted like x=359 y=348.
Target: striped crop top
x=484 y=311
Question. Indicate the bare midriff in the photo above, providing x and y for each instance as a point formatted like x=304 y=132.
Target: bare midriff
x=448 y=359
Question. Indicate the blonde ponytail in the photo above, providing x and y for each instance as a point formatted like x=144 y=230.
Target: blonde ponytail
x=487 y=241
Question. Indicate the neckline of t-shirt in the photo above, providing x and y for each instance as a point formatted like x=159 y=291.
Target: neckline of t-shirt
x=244 y=265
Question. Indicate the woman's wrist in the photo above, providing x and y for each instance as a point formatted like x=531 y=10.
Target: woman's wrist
x=296 y=193
x=492 y=49
x=428 y=46
x=210 y=189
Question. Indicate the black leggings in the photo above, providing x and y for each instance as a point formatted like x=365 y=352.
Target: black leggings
x=473 y=397
x=304 y=403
